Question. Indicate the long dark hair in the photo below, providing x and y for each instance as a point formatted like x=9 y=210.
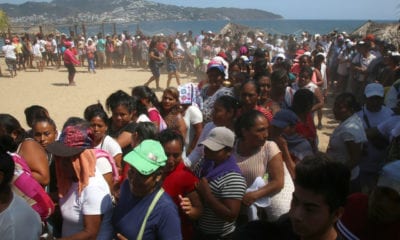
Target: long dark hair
x=119 y=98
x=142 y=92
x=95 y=110
x=10 y=125
x=7 y=164
x=33 y=112
x=246 y=121
x=229 y=103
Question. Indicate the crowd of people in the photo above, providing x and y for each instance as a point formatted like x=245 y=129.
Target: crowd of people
x=234 y=156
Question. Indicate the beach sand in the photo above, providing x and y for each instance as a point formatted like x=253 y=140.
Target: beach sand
x=50 y=89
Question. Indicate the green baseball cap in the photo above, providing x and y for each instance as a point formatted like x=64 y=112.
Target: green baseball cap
x=147 y=157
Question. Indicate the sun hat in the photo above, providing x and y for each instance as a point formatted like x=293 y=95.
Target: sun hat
x=374 y=89
x=390 y=176
x=244 y=58
x=67 y=44
x=349 y=44
x=284 y=118
x=147 y=157
x=216 y=64
x=219 y=138
x=360 y=43
x=73 y=140
x=222 y=54
x=280 y=55
x=370 y=38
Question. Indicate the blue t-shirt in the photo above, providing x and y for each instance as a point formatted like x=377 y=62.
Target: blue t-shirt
x=163 y=222
x=101 y=45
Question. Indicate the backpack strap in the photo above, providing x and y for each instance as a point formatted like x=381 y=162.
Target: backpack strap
x=366 y=118
x=149 y=210
x=21 y=162
x=102 y=153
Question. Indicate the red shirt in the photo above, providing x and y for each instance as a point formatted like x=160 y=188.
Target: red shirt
x=354 y=222
x=69 y=57
x=181 y=181
x=307 y=130
x=295 y=69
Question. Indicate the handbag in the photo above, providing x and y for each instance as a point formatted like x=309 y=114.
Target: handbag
x=24 y=185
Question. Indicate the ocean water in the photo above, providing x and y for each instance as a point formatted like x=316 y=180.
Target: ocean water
x=280 y=27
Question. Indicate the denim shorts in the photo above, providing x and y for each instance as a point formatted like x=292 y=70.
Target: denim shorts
x=155 y=70
x=171 y=67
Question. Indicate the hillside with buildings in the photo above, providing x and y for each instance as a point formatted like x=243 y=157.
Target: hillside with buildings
x=95 y=11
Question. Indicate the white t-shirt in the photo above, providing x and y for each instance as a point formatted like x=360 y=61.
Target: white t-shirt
x=143 y=118
x=350 y=130
x=19 y=221
x=95 y=199
x=36 y=50
x=103 y=165
x=324 y=76
x=392 y=94
x=374 y=118
x=54 y=45
x=42 y=44
x=110 y=145
x=373 y=159
x=192 y=116
x=362 y=62
x=310 y=86
x=9 y=51
x=386 y=127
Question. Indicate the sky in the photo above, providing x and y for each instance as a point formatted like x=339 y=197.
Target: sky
x=298 y=9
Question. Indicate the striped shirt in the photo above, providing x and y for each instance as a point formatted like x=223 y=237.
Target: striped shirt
x=233 y=186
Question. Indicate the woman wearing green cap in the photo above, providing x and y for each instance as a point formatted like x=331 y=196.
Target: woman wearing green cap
x=144 y=211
